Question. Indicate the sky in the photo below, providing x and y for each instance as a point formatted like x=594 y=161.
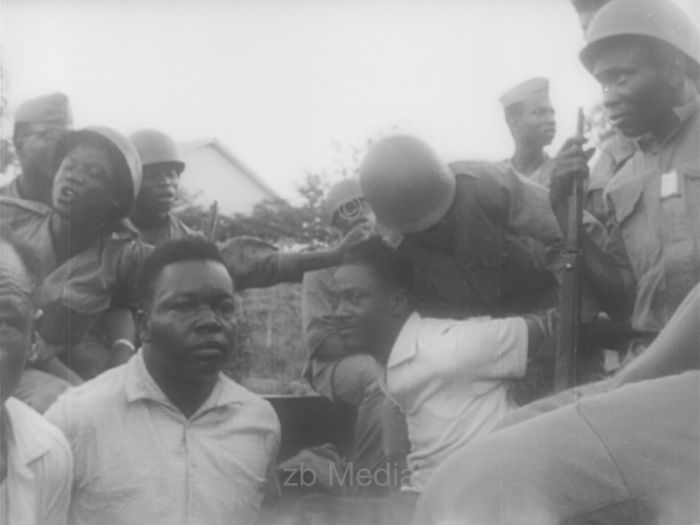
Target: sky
x=292 y=86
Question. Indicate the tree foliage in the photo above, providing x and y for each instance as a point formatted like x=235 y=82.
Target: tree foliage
x=278 y=221
x=274 y=220
x=8 y=156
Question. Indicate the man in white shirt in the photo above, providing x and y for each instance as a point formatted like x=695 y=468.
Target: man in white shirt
x=35 y=460
x=449 y=377
x=167 y=438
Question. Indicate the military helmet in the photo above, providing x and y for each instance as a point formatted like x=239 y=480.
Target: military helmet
x=657 y=19
x=124 y=150
x=342 y=192
x=406 y=185
x=156 y=147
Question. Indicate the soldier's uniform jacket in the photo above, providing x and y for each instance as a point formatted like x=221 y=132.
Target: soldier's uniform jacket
x=507 y=241
x=654 y=203
x=87 y=283
x=74 y=293
x=612 y=155
x=174 y=228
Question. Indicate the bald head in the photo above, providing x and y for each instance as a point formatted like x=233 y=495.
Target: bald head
x=16 y=315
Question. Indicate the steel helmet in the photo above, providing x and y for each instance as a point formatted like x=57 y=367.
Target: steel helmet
x=130 y=168
x=657 y=19
x=340 y=193
x=405 y=183
x=155 y=147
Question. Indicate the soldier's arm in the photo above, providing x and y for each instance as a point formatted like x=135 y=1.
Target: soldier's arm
x=675 y=350
x=253 y=263
x=605 y=271
x=318 y=323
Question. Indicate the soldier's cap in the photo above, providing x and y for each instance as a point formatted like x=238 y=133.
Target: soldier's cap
x=46 y=109
x=531 y=89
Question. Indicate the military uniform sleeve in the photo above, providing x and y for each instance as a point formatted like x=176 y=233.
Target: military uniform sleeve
x=615 y=248
x=253 y=263
x=317 y=307
x=529 y=212
x=78 y=292
x=130 y=257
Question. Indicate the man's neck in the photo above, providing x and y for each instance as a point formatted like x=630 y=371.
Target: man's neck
x=384 y=352
x=32 y=188
x=70 y=239
x=527 y=159
x=187 y=396
x=144 y=219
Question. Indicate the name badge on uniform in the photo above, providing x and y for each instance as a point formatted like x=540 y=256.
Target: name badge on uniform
x=669 y=185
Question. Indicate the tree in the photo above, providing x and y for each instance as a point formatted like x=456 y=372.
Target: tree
x=598 y=126
x=8 y=156
x=276 y=220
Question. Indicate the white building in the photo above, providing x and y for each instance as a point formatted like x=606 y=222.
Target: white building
x=214 y=173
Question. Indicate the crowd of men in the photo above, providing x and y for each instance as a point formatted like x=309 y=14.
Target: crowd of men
x=434 y=318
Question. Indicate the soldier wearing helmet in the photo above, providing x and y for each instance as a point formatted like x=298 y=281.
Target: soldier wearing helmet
x=614 y=151
x=89 y=255
x=530 y=117
x=345 y=374
x=479 y=235
x=644 y=53
x=39 y=124
x=162 y=166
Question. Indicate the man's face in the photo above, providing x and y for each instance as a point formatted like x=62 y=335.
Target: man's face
x=37 y=149
x=16 y=315
x=189 y=328
x=635 y=91
x=536 y=124
x=366 y=309
x=351 y=214
x=85 y=186
x=159 y=187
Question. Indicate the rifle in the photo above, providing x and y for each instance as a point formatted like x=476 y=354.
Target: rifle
x=213 y=221
x=568 y=335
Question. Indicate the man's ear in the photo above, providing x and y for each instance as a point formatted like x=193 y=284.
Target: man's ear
x=143 y=325
x=401 y=302
x=675 y=70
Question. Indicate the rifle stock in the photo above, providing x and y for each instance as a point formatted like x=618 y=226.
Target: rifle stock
x=568 y=335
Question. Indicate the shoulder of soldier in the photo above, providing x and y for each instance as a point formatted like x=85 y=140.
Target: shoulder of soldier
x=480 y=169
x=619 y=148
x=180 y=224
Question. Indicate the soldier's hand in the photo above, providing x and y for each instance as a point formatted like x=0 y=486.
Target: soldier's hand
x=570 y=162
x=354 y=238
x=42 y=351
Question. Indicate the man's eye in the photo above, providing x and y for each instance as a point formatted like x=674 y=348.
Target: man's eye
x=227 y=307
x=183 y=306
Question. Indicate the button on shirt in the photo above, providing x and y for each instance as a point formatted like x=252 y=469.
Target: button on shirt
x=139 y=460
x=36 y=490
x=450 y=379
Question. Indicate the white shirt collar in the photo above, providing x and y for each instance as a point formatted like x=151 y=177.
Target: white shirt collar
x=140 y=385
x=406 y=344
x=29 y=446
